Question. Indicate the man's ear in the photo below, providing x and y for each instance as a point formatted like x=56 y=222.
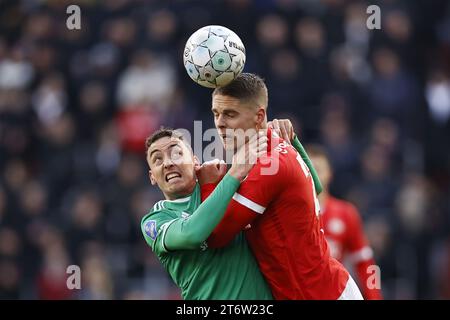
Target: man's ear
x=260 y=117
x=152 y=179
x=197 y=163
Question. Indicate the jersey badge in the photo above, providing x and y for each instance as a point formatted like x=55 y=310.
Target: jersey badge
x=150 y=229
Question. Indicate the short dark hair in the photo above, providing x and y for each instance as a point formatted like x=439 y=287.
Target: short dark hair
x=161 y=133
x=246 y=86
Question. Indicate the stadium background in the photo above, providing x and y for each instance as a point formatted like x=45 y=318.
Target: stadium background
x=75 y=106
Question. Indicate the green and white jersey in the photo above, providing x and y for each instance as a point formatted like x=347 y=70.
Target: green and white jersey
x=227 y=273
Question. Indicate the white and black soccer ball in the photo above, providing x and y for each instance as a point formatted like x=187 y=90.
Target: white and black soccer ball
x=214 y=56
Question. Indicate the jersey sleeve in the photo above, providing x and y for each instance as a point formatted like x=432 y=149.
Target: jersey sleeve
x=154 y=227
x=190 y=233
x=299 y=147
x=356 y=242
x=251 y=200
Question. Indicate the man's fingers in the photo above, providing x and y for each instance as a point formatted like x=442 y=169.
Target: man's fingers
x=283 y=131
x=222 y=169
x=276 y=126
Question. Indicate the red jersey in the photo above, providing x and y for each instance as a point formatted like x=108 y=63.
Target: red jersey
x=285 y=234
x=346 y=239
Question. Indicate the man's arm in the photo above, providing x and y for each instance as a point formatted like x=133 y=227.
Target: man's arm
x=164 y=232
x=190 y=233
x=242 y=210
x=298 y=146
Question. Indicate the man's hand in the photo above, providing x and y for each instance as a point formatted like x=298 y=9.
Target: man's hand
x=283 y=128
x=211 y=171
x=247 y=155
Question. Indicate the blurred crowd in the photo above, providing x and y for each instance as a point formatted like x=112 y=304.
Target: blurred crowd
x=76 y=106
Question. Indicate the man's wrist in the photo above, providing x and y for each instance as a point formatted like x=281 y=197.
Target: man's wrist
x=234 y=173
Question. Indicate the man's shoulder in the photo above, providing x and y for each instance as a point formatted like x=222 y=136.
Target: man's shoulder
x=159 y=212
x=275 y=163
x=154 y=222
x=345 y=208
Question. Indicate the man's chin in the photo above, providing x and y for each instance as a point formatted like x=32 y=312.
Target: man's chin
x=230 y=144
x=175 y=191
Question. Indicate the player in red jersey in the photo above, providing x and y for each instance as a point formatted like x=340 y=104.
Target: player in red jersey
x=278 y=199
x=344 y=231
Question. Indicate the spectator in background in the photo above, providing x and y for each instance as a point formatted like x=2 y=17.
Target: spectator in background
x=393 y=91
x=51 y=281
x=344 y=230
x=383 y=93
x=338 y=140
x=97 y=283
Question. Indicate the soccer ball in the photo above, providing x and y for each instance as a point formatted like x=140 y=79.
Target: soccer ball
x=214 y=56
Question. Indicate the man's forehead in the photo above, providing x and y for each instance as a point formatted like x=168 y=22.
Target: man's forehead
x=164 y=143
x=222 y=103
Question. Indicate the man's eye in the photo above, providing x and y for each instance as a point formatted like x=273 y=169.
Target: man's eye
x=177 y=154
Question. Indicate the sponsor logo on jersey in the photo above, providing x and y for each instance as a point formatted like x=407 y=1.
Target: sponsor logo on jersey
x=185 y=215
x=204 y=246
x=150 y=229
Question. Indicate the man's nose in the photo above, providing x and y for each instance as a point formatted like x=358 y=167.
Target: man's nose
x=168 y=162
x=220 y=122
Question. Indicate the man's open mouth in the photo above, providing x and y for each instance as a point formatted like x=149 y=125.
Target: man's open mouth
x=172 y=175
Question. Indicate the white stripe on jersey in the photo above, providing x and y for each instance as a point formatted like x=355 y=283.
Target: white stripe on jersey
x=159 y=205
x=248 y=203
x=163 y=228
x=351 y=291
x=363 y=254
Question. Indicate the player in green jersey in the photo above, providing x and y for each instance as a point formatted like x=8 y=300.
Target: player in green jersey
x=201 y=273
x=176 y=228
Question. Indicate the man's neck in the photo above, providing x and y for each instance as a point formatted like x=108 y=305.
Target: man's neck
x=182 y=194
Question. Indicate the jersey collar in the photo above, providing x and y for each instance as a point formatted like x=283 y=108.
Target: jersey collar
x=180 y=200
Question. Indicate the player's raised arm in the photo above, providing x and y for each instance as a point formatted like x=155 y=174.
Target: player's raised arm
x=190 y=233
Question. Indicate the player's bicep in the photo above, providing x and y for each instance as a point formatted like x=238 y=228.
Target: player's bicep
x=237 y=217
x=169 y=236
